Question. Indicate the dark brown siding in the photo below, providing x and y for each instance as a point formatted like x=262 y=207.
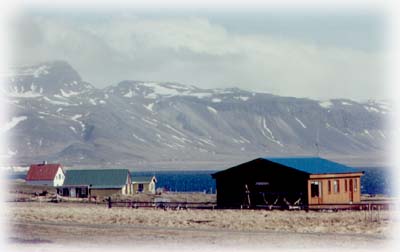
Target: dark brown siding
x=267 y=183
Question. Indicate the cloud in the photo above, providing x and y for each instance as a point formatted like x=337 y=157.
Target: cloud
x=195 y=51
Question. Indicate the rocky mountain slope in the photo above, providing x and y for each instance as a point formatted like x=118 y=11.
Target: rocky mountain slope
x=57 y=116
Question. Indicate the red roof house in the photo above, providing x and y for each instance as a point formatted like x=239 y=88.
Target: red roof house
x=45 y=174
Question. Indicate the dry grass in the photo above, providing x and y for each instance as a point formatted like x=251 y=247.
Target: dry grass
x=344 y=222
x=36 y=224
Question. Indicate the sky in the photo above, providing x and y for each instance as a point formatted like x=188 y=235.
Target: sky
x=315 y=53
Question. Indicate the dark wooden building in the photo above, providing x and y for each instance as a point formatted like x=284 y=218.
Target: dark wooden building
x=287 y=182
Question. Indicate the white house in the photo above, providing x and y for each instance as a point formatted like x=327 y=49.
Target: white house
x=45 y=174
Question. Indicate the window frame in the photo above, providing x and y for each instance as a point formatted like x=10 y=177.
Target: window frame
x=316 y=184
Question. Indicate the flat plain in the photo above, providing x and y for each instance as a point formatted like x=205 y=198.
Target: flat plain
x=45 y=226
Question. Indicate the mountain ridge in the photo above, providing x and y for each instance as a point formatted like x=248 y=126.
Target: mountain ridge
x=58 y=116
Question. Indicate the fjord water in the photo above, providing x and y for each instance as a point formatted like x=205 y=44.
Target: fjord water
x=376 y=180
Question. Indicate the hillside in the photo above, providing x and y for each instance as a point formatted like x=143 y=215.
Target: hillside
x=57 y=116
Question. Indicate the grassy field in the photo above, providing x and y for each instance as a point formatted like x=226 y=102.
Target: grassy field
x=37 y=223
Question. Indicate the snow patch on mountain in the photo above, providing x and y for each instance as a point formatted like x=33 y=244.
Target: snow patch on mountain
x=129 y=94
x=12 y=123
x=68 y=94
x=371 y=109
x=300 y=122
x=57 y=102
x=138 y=138
x=326 y=104
x=212 y=110
x=149 y=106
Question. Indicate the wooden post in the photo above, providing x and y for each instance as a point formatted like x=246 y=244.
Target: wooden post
x=109 y=202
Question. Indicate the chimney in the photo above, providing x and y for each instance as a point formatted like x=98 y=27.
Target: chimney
x=44 y=162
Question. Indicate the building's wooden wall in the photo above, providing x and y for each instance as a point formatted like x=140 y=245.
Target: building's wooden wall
x=342 y=196
x=283 y=184
x=147 y=187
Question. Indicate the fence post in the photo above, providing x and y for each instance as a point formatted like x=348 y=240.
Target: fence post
x=109 y=202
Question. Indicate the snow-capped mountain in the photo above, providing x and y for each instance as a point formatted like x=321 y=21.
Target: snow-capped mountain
x=56 y=116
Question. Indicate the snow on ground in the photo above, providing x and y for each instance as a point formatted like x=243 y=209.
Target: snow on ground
x=366 y=132
x=149 y=122
x=200 y=95
x=92 y=101
x=75 y=118
x=11 y=153
x=129 y=94
x=160 y=90
x=180 y=139
x=173 y=90
x=326 y=104
x=149 y=107
x=173 y=129
x=57 y=102
x=138 y=138
x=68 y=94
x=271 y=137
x=42 y=70
x=14 y=92
x=301 y=123
x=212 y=110
x=12 y=123
x=243 y=98
x=215 y=100
x=346 y=103
x=371 y=109
x=245 y=139
x=73 y=129
x=206 y=141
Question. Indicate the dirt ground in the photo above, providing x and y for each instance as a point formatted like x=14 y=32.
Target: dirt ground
x=69 y=225
x=34 y=224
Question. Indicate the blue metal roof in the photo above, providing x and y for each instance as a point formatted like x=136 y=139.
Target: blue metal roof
x=313 y=165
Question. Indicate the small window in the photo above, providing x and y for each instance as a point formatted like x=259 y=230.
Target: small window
x=84 y=192
x=336 y=187
x=329 y=186
x=355 y=185
x=140 y=187
x=345 y=185
x=315 y=189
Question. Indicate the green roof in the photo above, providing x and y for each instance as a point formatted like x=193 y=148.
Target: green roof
x=104 y=178
x=141 y=179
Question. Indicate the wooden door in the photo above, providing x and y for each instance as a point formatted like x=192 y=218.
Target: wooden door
x=351 y=190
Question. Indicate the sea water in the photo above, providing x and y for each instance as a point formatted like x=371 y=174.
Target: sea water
x=376 y=180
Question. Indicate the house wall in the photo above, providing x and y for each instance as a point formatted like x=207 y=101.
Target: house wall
x=146 y=187
x=149 y=187
x=126 y=190
x=266 y=183
x=59 y=178
x=343 y=195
